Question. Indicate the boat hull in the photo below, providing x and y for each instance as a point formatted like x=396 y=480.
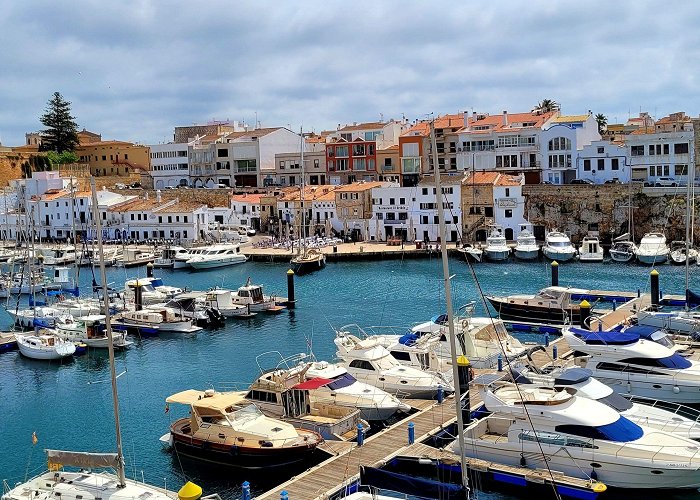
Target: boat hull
x=559 y=256
x=526 y=254
x=618 y=256
x=534 y=313
x=652 y=259
x=496 y=255
x=308 y=266
x=46 y=354
x=210 y=264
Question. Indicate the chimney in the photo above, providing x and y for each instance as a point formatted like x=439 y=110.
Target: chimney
x=158 y=196
x=466 y=119
x=145 y=195
x=505 y=118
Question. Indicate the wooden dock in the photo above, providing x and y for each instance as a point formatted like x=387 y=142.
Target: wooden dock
x=333 y=474
x=622 y=313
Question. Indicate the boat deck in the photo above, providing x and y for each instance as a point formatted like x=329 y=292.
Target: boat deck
x=622 y=314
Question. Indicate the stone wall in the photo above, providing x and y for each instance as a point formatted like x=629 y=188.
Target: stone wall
x=10 y=166
x=576 y=209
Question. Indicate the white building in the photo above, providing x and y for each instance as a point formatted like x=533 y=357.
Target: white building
x=560 y=141
x=245 y=210
x=509 y=205
x=169 y=165
x=603 y=161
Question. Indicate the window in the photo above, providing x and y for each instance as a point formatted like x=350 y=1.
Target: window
x=402 y=201
x=424 y=219
x=601 y=150
x=586 y=165
x=341 y=151
x=488 y=211
x=316 y=163
x=637 y=150
x=403 y=215
x=615 y=164
x=601 y=164
x=508 y=214
x=222 y=153
x=507 y=192
x=665 y=149
x=390 y=216
x=361 y=364
x=380 y=216
x=424 y=191
x=680 y=148
x=651 y=149
x=560 y=144
x=282 y=165
x=652 y=171
x=401 y=355
x=680 y=170
x=667 y=170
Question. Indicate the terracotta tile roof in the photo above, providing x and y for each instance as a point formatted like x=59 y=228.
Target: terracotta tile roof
x=133 y=205
x=362 y=126
x=54 y=195
x=247 y=198
x=328 y=196
x=394 y=147
x=422 y=128
x=359 y=186
x=495 y=122
x=186 y=207
x=491 y=178
x=310 y=193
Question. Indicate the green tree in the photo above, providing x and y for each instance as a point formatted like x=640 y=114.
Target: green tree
x=61 y=133
x=602 y=121
x=62 y=158
x=547 y=106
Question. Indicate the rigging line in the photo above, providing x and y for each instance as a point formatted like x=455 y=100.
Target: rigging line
x=508 y=363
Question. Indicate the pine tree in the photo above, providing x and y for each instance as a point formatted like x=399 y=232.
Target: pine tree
x=61 y=133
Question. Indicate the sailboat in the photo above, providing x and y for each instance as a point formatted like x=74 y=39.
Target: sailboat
x=86 y=483
x=307 y=260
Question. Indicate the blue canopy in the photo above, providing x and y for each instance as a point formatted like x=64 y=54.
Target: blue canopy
x=604 y=337
x=573 y=376
x=622 y=430
x=408 y=338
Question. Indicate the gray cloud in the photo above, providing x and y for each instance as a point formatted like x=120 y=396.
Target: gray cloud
x=135 y=69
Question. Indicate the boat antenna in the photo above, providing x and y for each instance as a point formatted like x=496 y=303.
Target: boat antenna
x=108 y=324
x=450 y=311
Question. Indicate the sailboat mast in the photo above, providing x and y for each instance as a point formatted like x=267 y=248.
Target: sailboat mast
x=108 y=323
x=301 y=197
x=448 y=300
x=689 y=210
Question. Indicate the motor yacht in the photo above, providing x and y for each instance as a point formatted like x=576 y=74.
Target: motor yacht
x=252 y=297
x=164 y=319
x=222 y=301
x=217 y=256
x=635 y=366
x=590 y=250
x=132 y=257
x=539 y=427
x=189 y=305
x=181 y=259
x=373 y=364
x=623 y=250
x=683 y=322
x=167 y=255
x=219 y=430
x=580 y=382
x=56 y=256
x=526 y=247
x=554 y=304
x=44 y=345
x=678 y=253
x=90 y=330
x=149 y=294
x=496 y=248
x=653 y=249
x=471 y=252
x=557 y=246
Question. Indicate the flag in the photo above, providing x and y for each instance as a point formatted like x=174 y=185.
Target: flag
x=167 y=407
x=35 y=440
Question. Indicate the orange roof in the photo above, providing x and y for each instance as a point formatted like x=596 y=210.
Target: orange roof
x=180 y=207
x=492 y=178
x=394 y=147
x=362 y=126
x=258 y=132
x=495 y=122
x=247 y=198
x=136 y=204
x=310 y=193
x=441 y=122
x=54 y=195
x=359 y=186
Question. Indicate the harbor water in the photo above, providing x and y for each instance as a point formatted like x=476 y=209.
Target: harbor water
x=68 y=405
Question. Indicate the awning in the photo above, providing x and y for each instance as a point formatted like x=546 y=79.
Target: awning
x=312 y=383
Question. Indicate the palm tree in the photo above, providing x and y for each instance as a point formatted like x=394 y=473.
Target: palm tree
x=547 y=106
x=602 y=121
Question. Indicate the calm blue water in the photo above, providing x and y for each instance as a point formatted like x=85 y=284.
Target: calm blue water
x=69 y=405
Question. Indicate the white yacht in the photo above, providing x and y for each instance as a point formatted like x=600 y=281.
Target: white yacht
x=653 y=249
x=90 y=330
x=683 y=322
x=678 y=254
x=496 y=248
x=252 y=297
x=580 y=382
x=373 y=364
x=166 y=257
x=36 y=316
x=623 y=249
x=557 y=246
x=590 y=250
x=217 y=256
x=526 y=247
x=536 y=427
x=635 y=366
x=165 y=319
x=46 y=346
x=181 y=257
x=57 y=256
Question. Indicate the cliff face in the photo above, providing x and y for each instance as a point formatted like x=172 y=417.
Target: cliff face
x=578 y=209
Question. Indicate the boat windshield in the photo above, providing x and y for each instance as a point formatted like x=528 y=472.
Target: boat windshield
x=559 y=244
x=250 y=412
x=341 y=381
x=617 y=402
x=673 y=362
x=621 y=431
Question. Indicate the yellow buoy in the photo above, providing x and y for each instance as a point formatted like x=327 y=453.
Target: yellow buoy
x=599 y=487
x=189 y=491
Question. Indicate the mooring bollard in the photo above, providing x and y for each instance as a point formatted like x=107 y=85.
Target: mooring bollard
x=440 y=394
x=291 y=301
x=411 y=433
x=555 y=351
x=614 y=305
x=149 y=270
x=500 y=362
x=360 y=435
x=654 y=288
x=555 y=273
x=246 y=490
x=464 y=375
x=546 y=339
x=585 y=312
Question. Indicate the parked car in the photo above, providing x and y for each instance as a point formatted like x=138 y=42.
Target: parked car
x=665 y=182
x=119 y=185
x=135 y=185
x=582 y=181
x=613 y=181
x=169 y=187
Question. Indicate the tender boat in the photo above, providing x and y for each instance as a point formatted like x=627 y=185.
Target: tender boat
x=537 y=428
x=634 y=366
x=622 y=249
x=471 y=252
x=252 y=297
x=221 y=431
x=678 y=253
x=44 y=346
x=90 y=330
x=590 y=250
x=580 y=382
x=373 y=364
x=310 y=260
x=526 y=247
x=554 y=304
x=557 y=246
x=164 y=319
x=217 y=256
x=653 y=249
x=167 y=256
x=222 y=301
x=496 y=248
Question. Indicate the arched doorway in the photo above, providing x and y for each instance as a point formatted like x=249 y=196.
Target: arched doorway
x=509 y=233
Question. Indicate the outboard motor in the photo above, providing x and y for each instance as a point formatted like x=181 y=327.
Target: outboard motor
x=215 y=317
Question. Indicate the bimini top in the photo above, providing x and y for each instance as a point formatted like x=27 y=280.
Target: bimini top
x=604 y=337
x=573 y=376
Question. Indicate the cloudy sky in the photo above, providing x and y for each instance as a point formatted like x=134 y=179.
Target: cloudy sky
x=135 y=69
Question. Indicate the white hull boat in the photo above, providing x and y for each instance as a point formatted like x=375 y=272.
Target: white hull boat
x=558 y=247
x=590 y=250
x=496 y=248
x=623 y=251
x=526 y=247
x=652 y=249
x=44 y=346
